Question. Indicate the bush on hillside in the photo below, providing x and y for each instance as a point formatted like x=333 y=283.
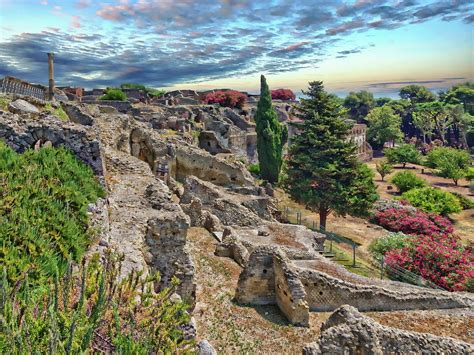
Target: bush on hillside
x=283 y=94
x=90 y=311
x=431 y=200
x=44 y=196
x=229 y=98
x=403 y=154
x=442 y=259
x=254 y=169
x=380 y=246
x=384 y=204
x=465 y=202
x=449 y=163
x=413 y=222
x=114 y=94
x=406 y=180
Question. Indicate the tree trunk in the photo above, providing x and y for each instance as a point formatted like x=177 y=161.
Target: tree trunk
x=323 y=215
x=455 y=182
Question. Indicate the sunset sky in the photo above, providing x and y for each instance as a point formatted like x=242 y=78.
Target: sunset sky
x=351 y=45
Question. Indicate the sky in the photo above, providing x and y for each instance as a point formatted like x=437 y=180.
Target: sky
x=374 y=45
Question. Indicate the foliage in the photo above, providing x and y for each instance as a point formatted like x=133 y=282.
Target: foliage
x=43 y=210
x=114 y=94
x=465 y=202
x=322 y=169
x=228 y=98
x=471 y=187
x=90 y=311
x=381 y=101
x=4 y=103
x=470 y=174
x=423 y=120
x=380 y=246
x=271 y=136
x=432 y=200
x=384 y=168
x=384 y=126
x=283 y=94
x=413 y=222
x=150 y=91
x=442 y=259
x=406 y=180
x=58 y=112
x=359 y=104
x=449 y=162
x=416 y=94
x=403 y=154
x=385 y=204
x=254 y=169
x=461 y=94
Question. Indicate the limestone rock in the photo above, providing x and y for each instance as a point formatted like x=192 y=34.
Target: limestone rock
x=21 y=106
x=205 y=348
x=348 y=331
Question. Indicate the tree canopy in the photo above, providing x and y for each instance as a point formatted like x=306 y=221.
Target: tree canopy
x=384 y=126
x=322 y=169
x=416 y=94
x=359 y=104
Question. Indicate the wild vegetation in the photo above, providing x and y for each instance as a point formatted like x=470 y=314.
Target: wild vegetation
x=228 y=98
x=113 y=94
x=271 y=136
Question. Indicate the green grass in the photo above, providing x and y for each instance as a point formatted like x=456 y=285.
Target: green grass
x=43 y=210
x=4 y=103
x=58 y=112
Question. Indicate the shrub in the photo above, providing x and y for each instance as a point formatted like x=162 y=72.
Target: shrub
x=58 y=112
x=155 y=92
x=470 y=174
x=384 y=204
x=432 y=200
x=90 y=311
x=406 y=180
x=254 y=169
x=43 y=210
x=403 y=154
x=229 y=98
x=380 y=246
x=283 y=94
x=384 y=168
x=441 y=259
x=465 y=202
x=413 y=222
x=471 y=187
x=114 y=94
x=449 y=163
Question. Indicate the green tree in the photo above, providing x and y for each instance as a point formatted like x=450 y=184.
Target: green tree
x=322 y=169
x=380 y=101
x=423 y=120
x=403 y=154
x=432 y=200
x=384 y=126
x=406 y=181
x=416 y=94
x=359 y=104
x=449 y=163
x=271 y=135
x=384 y=168
x=461 y=94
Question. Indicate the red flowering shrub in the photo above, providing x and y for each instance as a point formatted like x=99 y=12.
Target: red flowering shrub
x=283 y=94
x=441 y=259
x=229 y=98
x=413 y=222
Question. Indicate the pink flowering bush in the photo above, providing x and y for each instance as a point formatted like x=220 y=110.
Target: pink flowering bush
x=413 y=222
x=283 y=94
x=228 y=98
x=441 y=259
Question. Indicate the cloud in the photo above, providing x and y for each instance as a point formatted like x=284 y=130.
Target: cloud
x=165 y=42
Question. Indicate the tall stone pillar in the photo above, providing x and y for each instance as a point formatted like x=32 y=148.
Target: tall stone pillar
x=51 y=76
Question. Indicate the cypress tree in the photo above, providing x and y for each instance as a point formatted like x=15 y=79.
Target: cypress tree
x=271 y=135
x=323 y=171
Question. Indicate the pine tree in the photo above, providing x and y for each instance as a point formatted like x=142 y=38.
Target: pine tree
x=323 y=170
x=271 y=135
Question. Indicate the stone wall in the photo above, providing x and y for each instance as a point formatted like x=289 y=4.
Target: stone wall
x=120 y=106
x=269 y=277
x=22 y=133
x=349 y=332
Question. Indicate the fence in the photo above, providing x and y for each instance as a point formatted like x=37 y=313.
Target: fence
x=11 y=85
x=379 y=267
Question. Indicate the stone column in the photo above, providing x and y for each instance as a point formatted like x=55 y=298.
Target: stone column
x=51 y=76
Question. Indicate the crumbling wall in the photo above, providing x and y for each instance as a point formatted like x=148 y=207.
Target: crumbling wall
x=22 y=133
x=349 y=332
x=326 y=293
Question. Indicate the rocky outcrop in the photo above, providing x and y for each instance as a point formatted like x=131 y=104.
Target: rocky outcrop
x=349 y=332
x=77 y=114
x=23 y=107
x=22 y=133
